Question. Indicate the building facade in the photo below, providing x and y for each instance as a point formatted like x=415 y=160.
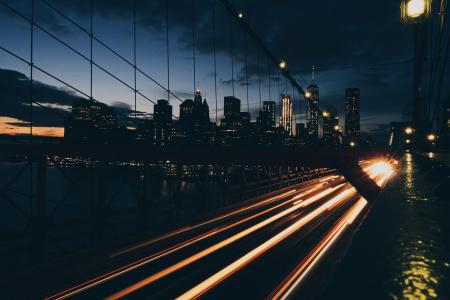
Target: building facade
x=286 y=114
x=312 y=111
x=352 y=118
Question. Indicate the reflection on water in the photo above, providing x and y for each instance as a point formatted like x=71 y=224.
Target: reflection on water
x=419 y=277
x=420 y=269
x=409 y=187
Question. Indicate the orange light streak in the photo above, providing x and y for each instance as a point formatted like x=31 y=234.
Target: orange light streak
x=187 y=261
x=220 y=276
x=311 y=260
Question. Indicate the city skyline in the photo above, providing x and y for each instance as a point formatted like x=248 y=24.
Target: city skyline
x=334 y=76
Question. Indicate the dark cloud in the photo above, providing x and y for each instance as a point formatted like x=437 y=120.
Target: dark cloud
x=51 y=105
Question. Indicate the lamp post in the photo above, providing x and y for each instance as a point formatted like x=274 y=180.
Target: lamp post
x=415 y=13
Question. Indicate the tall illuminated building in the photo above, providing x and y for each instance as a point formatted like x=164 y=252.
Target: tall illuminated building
x=352 y=120
x=312 y=111
x=286 y=114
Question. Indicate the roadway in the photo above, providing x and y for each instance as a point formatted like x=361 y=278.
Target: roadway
x=261 y=249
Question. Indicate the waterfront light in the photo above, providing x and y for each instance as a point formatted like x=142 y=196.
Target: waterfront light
x=414 y=11
x=282 y=64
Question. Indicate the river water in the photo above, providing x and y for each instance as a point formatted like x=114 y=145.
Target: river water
x=402 y=250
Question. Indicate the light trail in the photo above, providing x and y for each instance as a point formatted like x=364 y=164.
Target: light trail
x=130 y=267
x=296 y=277
x=318 y=196
x=187 y=228
x=223 y=274
x=187 y=261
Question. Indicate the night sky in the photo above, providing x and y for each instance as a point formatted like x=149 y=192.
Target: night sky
x=352 y=43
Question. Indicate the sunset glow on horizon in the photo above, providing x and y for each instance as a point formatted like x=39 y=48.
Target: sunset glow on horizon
x=8 y=127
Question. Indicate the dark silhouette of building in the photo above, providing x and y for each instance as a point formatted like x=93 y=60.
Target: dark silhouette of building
x=352 y=120
x=232 y=107
x=90 y=122
x=312 y=111
x=300 y=131
x=269 y=107
x=331 y=133
x=194 y=124
x=162 y=120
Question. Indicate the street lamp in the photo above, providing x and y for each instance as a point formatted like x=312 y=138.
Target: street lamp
x=282 y=64
x=431 y=137
x=409 y=130
x=352 y=144
x=415 y=11
x=240 y=15
x=325 y=114
x=308 y=95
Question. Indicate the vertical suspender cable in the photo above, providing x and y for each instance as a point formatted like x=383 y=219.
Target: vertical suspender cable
x=246 y=69
x=31 y=69
x=193 y=41
x=167 y=51
x=214 y=53
x=270 y=74
x=31 y=97
x=91 y=32
x=134 y=61
x=232 y=54
x=259 y=81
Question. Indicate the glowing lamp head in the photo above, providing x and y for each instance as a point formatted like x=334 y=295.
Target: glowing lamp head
x=336 y=127
x=240 y=15
x=308 y=95
x=431 y=137
x=409 y=130
x=408 y=141
x=282 y=64
x=414 y=11
x=325 y=114
x=352 y=144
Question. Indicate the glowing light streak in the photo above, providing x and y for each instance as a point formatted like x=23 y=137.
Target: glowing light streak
x=220 y=276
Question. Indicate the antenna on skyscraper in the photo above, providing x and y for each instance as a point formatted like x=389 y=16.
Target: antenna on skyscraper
x=313 y=73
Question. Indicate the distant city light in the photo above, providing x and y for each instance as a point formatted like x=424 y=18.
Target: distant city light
x=409 y=130
x=282 y=64
x=408 y=141
x=336 y=127
x=431 y=137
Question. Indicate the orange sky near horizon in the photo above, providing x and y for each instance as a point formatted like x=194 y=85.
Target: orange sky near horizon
x=7 y=127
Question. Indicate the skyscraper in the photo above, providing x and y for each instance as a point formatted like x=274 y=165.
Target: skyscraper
x=90 y=122
x=312 y=111
x=162 y=118
x=232 y=107
x=352 y=125
x=286 y=114
x=269 y=108
x=330 y=128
